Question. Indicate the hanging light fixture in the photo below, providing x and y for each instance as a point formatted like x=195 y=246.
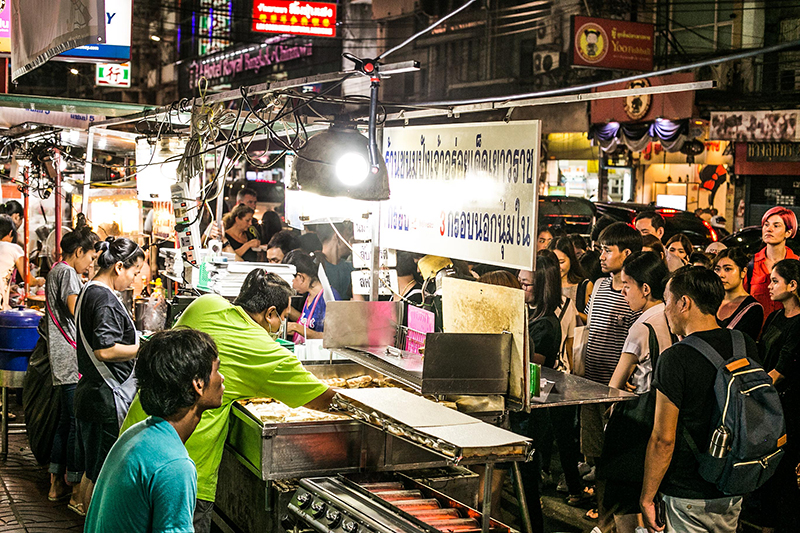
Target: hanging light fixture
x=336 y=162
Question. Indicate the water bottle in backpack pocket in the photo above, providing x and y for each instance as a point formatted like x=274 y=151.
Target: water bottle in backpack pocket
x=749 y=432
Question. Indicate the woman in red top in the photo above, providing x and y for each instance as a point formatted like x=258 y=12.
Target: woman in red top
x=777 y=225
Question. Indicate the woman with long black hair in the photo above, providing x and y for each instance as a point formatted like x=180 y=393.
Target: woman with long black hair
x=107 y=343
x=62 y=289
x=778 y=348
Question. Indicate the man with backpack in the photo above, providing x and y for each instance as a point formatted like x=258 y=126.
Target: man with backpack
x=699 y=382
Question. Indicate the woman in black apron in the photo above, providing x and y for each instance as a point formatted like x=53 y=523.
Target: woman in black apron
x=107 y=345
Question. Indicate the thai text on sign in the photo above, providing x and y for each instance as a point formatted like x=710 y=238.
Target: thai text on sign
x=463 y=191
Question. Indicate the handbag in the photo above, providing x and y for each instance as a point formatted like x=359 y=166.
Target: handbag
x=628 y=431
x=580 y=339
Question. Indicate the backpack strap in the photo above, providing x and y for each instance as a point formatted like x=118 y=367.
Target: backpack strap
x=580 y=296
x=749 y=279
x=714 y=357
x=653 y=345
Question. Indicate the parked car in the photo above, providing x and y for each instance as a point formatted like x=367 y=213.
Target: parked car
x=749 y=240
x=699 y=232
x=573 y=215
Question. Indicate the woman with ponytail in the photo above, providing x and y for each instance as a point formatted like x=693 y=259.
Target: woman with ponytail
x=61 y=296
x=106 y=344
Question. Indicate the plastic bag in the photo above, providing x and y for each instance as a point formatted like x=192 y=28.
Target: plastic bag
x=41 y=403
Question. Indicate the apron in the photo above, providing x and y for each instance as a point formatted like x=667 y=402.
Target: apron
x=123 y=392
x=304 y=320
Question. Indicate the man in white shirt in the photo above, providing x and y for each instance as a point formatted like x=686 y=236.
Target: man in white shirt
x=11 y=256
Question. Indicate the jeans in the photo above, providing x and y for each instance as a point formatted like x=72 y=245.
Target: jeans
x=62 y=454
x=685 y=515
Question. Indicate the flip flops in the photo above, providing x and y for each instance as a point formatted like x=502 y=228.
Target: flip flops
x=577 y=500
x=77 y=508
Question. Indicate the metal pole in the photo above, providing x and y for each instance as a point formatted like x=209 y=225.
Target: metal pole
x=87 y=172
x=27 y=218
x=4 y=427
x=527 y=526
x=59 y=215
x=487 y=498
x=375 y=264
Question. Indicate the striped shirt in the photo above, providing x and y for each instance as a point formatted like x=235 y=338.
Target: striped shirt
x=610 y=319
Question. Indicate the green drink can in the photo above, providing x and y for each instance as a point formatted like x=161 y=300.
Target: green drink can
x=536 y=379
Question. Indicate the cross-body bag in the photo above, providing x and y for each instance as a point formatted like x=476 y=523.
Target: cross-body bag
x=628 y=430
x=740 y=314
x=123 y=392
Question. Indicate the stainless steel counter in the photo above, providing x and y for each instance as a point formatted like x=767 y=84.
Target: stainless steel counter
x=575 y=390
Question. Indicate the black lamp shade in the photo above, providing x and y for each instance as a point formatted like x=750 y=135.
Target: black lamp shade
x=315 y=166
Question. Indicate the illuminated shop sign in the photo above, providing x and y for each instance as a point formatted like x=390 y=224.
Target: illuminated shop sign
x=313 y=19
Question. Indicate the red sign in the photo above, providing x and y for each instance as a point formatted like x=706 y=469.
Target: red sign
x=612 y=44
x=673 y=106
x=313 y=19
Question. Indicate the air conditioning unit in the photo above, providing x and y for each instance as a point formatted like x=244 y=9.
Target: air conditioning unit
x=545 y=61
x=545 y=32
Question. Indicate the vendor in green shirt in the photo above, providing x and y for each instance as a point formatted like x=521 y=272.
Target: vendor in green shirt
x=254 y=365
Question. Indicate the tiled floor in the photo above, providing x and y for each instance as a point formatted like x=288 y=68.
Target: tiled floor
x=23 y=494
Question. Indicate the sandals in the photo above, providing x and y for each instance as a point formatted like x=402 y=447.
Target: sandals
x=577 y=500
x=77 y=508
x=592 y=515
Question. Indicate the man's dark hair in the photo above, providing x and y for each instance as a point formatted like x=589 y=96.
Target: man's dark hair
x=656 y=219
x=262 y=290
x=247 y=191
x=325 y=232
x=647 y=267
x=622 y=236
x=309 y=242
x=701 y=285
x=602 y=223
x=168 y=363
x=285 y=240
x=6 y=226
x=406 y=266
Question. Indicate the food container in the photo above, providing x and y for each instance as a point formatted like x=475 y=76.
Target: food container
x=19 y=334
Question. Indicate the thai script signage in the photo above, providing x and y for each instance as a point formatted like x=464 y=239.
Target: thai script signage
x=464 y=191
x=612 y=44
x=296 y=18
x=229 y=64
x=772 y=152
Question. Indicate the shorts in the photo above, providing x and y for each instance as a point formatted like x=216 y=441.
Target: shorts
x=621 y=498
x=94 y=441
x=203 y=514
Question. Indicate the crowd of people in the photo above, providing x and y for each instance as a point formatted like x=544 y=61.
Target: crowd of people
x=628 y=328
x=617 y=310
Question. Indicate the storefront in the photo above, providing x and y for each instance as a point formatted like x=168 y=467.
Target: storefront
x=769 y=172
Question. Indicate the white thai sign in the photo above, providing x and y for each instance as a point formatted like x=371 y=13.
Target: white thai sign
x=464 y=191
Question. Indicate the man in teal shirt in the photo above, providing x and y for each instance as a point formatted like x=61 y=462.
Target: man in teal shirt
x=148 y=482
x=254 y=365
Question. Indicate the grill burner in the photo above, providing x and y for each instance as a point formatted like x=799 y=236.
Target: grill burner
x=338 y=505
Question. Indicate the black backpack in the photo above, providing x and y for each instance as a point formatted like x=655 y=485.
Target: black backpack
x=749 y=410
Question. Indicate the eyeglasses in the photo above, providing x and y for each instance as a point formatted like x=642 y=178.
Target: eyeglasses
x=525 y=286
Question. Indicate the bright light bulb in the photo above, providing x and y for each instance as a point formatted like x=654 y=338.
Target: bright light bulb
x=74 y=71
x=352 y=168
